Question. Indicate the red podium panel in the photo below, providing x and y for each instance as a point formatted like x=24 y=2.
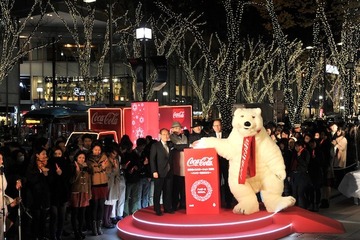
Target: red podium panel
x=202 y=181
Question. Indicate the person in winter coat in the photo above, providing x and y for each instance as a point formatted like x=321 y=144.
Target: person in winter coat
x=99 y=167
x=340 y=149
x=80 y=193
x=4 y=199
x=37 y=183
x=59 y=170
x=114 y=186
x=316 y=176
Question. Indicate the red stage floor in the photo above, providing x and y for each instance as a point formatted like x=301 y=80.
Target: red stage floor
x=144 y=224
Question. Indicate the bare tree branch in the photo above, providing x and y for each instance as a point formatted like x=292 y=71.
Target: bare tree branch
x=12 y=32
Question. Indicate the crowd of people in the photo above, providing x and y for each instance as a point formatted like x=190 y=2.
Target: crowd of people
x=316 y=160
x=97 y=183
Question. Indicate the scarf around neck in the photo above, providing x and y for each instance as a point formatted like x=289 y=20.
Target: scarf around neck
x=247 y=163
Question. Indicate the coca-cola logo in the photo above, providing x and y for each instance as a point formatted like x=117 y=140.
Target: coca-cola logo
x=178 y=114
x=109 y=118
x=202 y=162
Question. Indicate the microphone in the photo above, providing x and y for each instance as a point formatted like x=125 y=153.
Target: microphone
x=1 y=169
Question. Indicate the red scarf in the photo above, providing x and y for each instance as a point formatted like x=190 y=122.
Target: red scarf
x=247 y=164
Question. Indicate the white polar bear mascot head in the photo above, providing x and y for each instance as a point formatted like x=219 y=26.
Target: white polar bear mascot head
x=247 y=121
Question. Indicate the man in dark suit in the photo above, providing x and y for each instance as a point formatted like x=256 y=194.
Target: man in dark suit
x=162 y=171
x=223 y=163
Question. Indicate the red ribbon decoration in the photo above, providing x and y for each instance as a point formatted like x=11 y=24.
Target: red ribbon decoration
x=247 y=163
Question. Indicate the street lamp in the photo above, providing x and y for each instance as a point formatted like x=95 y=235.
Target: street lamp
x=39 y=90
x=165 y=94
x=143 y=34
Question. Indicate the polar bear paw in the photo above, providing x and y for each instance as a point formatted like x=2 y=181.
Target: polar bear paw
x=246 y=209
x=282 y=203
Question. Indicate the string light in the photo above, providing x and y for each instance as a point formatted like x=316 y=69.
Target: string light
x=12 y=34
x=222 y=67
x=350 y=45
x=233 y=76
x=87 y=20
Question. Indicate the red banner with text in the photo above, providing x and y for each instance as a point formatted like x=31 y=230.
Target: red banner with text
x=106 y=119
x=170 y=114
x=167 y=115
x=202 y=184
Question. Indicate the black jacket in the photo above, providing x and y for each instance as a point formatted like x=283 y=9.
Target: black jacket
x=160 y=159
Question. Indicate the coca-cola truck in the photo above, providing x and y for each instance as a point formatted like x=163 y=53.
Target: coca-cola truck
x=121 y=119
x=106 y=119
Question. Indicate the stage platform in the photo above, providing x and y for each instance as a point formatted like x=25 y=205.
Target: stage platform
x=145 y=224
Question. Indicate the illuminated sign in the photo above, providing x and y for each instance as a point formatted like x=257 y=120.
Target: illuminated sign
x=32 y=121
x=80 y=92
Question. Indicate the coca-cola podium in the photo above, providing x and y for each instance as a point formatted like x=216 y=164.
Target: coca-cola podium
x=202 y=181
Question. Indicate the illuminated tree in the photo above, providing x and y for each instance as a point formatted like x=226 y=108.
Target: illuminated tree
x=81 y=30
x=257 y=69
x=345 y=56
x=222 y=68
x=254 y=68
x=14 y=43
x=83 y=40
x=195 y=67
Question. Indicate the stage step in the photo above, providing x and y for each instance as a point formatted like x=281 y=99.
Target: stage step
x=274 y=231
x=215 y=224
x=144 y=224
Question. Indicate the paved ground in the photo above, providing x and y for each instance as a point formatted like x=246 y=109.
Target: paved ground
x=342 y=209
x=345 y=211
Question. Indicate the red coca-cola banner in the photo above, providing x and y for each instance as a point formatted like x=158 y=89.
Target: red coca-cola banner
x=106 y=119
x=170 y=114
x=202 y=184
x=167 y=115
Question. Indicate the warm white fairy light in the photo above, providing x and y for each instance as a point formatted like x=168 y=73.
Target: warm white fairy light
x=339 y=56
x=12 y=32
x=283 y=72
x=81 y=30
x=83 y=49
x=222 y=67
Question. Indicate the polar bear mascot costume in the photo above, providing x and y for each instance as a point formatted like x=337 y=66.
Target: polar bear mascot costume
x=255 y=163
